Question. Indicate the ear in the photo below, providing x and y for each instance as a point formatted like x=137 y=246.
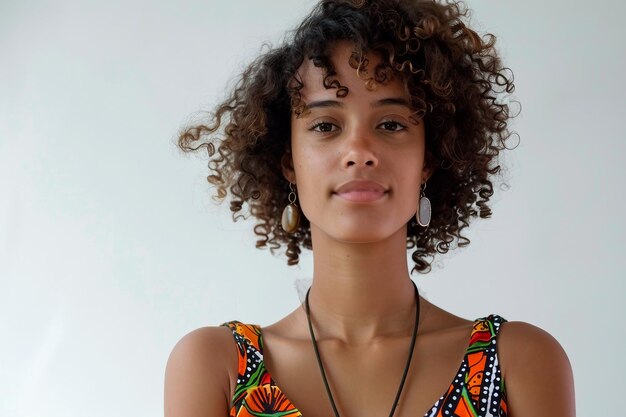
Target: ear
x=286 y=166
x=427 y=172
x=429 y=167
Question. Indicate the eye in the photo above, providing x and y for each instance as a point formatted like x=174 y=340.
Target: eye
x=323 y=127
x=392 y=126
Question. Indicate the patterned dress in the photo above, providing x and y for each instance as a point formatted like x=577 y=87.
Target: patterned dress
x=477 y=390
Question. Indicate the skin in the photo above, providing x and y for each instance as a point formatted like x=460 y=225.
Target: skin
x=362 y=300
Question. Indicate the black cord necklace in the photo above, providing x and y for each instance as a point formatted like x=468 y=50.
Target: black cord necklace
x=406 y=368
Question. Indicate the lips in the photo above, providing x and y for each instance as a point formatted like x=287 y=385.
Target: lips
x=361 y=191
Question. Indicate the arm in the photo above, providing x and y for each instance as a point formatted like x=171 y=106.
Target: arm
x=198 y=375
x=536 y=371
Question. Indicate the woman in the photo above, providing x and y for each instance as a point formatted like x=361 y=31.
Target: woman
x=373 y=130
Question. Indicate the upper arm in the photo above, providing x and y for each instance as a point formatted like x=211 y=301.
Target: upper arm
x=197 y=375
x=536 y=371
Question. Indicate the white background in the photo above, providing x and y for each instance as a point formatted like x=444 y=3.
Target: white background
x=111 y=249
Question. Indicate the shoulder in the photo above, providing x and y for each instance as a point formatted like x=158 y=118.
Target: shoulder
x=536 y=371
x=199 y=373
x=204 y=345
x=520 y=342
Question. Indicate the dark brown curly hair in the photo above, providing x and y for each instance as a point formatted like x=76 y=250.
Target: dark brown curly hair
x=457 y=85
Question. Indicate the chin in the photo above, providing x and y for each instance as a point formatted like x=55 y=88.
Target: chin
x=360 y=234
x=364 y=239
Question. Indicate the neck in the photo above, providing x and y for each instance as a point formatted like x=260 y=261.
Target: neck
x=361 y=291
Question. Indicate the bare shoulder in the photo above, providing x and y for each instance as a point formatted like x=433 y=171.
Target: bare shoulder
x=520 y=342
x=536 y=370
x=199 y=372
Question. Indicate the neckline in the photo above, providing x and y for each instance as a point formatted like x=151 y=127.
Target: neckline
x=428 y=412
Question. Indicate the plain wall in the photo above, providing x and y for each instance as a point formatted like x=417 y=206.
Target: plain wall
x=111 y=249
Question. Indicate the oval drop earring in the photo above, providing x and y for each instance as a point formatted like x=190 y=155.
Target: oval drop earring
x=290 y=219
x=424 y=209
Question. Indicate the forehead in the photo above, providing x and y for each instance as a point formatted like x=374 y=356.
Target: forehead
x=359 y=82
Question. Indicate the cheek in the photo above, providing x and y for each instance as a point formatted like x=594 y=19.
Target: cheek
x=313 y=180
x=310 y=163
x=410 y=176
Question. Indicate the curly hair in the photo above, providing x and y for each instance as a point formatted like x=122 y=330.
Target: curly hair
x=457 y=85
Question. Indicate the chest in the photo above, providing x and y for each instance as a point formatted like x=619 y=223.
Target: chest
x=364 y=380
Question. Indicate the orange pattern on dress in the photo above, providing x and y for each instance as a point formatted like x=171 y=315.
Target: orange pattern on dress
x=476 y=362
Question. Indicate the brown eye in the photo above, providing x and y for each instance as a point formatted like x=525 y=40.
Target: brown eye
x=392 y=126
x=324 y=127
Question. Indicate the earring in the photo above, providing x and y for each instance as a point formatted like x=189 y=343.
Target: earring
x=291 y=215
x=424 y=209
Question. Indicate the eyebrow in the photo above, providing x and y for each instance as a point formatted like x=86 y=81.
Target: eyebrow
x=394 y=101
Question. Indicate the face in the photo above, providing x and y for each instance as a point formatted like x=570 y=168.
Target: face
x=357 y=161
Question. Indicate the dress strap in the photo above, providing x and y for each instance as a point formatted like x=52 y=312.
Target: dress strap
x=256 y=394
x=483 y=378
x=246 y=334
x=251 y=368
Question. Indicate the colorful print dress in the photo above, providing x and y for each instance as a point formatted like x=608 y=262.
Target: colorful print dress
x=477 y=389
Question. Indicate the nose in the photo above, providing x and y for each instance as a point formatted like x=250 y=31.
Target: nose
x=359 y=149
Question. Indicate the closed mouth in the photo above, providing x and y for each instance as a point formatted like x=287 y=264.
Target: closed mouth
x=361 y=191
